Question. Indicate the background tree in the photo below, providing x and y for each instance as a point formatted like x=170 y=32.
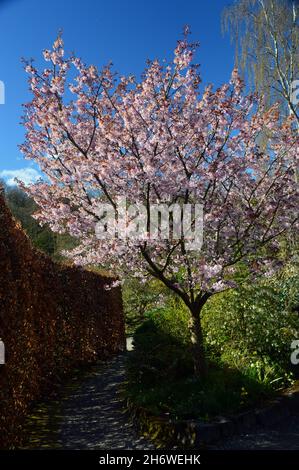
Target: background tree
x=159 y=140
x=266 y=36
x=23 y=207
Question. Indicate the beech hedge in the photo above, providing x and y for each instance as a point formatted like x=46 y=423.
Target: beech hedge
x=53 y=317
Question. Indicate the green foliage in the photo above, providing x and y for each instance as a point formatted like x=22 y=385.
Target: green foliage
x=261 y=369
x=286 y=284
x=160 y=373
x=22 y=208
x=161 y=343
x=140 y=299
x=254 y=321
x=248 y=332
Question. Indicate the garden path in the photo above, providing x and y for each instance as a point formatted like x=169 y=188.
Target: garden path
x=88 y=415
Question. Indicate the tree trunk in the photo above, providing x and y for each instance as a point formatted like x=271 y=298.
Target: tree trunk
x=199 y=359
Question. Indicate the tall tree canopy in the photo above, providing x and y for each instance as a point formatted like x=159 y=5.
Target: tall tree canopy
x=160 y=139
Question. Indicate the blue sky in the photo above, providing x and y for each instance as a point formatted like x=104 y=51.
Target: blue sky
x=126 y=32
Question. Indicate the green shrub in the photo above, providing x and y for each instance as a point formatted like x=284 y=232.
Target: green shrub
x=162 y=346
x=160 y=373
x=254 y=322
x=248 y=334
x=140 y=298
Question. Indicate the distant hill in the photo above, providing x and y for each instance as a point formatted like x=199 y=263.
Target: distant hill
x=22 y=208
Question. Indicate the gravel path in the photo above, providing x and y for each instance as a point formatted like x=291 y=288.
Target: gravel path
x=89 y=415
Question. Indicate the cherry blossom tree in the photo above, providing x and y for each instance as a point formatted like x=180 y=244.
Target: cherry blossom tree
x=97 y=136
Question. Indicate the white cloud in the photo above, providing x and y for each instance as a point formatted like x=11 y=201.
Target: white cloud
x=27 y=175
